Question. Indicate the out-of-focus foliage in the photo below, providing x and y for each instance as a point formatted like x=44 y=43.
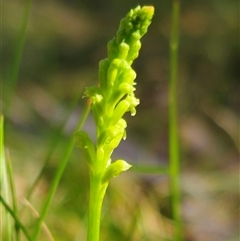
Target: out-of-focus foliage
x=64 y=43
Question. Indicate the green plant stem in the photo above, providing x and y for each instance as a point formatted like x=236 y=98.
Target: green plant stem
x=1 y=173
x=58 y=175
x=173 y=124
x=17 y=221
x=12 y=79
x=56 y=136
x=97 y=192
x=13 y=193
x=4 y=187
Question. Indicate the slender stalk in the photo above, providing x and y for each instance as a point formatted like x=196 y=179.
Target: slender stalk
x=56 y=136
x=47 y=232
x=97 y=192
x=1 y=173
x=12 y=79
x=4 y=188
x=13 y=193
x=12 y=213
x=58 y=175
x=173 y=124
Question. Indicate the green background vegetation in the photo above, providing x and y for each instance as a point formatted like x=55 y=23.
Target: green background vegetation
x=64 y=42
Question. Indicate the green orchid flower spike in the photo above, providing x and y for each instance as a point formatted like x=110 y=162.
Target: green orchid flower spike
x=109 y=102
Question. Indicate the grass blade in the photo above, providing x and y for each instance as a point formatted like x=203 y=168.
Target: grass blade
x=13 y=194
x=11 y=212
x=173 y=124
x=17 y=55
x=58 y=174
x=56 y=135
x=5 y=218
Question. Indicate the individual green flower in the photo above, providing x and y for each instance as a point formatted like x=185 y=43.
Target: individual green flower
x=114 y=169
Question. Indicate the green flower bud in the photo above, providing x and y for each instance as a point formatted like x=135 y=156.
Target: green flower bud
x=113 y=71
x=118 y=133
x=112 y=135
x=102 y=74
x=136 y=22
x=134 y=52
x=133 y=103
x=120 y=110
x=117 y=95
x=125 y=74
x=128 y=76
x=126 y=88
x=123 y=49
x=112 y=49
x=115 y=169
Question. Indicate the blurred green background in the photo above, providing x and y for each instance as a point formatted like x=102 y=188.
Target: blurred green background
x=64 y=42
